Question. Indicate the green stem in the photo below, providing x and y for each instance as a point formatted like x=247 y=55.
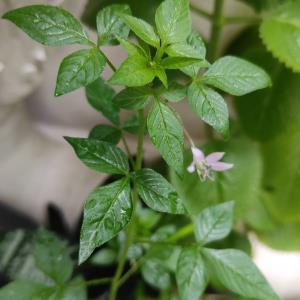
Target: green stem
x=98 y=281
x=127 y=150
x=93 y=282
x=141 y=134
x=124 y=252
x=182 y=233
x=218 y=23
x=131 y=227
x=108 y=61
x=134 y=268
x=199 y=11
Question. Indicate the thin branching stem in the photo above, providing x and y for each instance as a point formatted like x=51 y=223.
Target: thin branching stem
x=131 y=226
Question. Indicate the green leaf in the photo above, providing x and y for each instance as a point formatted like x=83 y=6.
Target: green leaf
x=214 y=223
x=209 y=106
x=147 y=218
x=104 y=257
x=134 y=71
x=143 y=30
x=100 y=156
x=281 y=33
x=165 y=130
x=79 y=69
x=132 y=49
x=157 y=192
x=132 y=125
x=107 y=211
x=48 y=25
x=191 y=275
x=22 y=290
x=236 y=76
x=174 y=63
x=195 y=41
x=106 y=133
x=263 y=114
x=52 y=256
x=133 y=98
x=162 y=75
x=16 y=258
x=173 y=21
x=235 y=270
x=75 y=290
x=141 y=9
x=156 y=275
x=100 y=96
x=281 y=174
x=162 y=260
x=110 y=24
x=175 y=92
x=183 y=50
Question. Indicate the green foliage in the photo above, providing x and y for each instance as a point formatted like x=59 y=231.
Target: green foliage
x=50 y=260
x=209 y=106
x=271 y=116
x=52 y=257
x=100 y=156
x=104 y=257
x=16 y=257
x=160 y=264
x=175 y=92
x=106 y=133
x=134 y=71
x=48 y=25
x=174 y=63
x=166 y=133
x=100 y=96
x=281 y=32
x=144 y=10
x=214 y=223
x=79 y=69
x=107 y=211
x=110 y=24
x=184 y=50
x=235 y=270
x=131 y=125
x=133 y=98
x=281 y=179
x=195 y=41
x=143 y=30
x=191 y=274
x=147 y=238
x=156 y=275
x=264 y=114
x=157 y=192
x=27 y=290
x=236 y=76
x=173 y=25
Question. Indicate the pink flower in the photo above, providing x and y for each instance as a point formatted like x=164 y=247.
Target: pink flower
x=205 y=165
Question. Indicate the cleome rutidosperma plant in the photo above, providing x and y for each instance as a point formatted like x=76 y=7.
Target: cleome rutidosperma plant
x=119 y=208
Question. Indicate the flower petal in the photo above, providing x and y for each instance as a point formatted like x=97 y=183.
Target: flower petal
x=221 y=166
x=191 y=168
x=198 y=155
x=214 y=157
